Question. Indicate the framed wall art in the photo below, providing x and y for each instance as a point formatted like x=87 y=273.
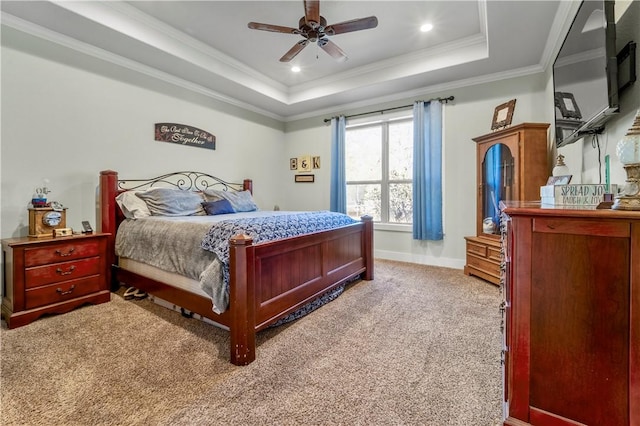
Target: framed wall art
x=183 y=134
x=305 y=178
x=503 y=114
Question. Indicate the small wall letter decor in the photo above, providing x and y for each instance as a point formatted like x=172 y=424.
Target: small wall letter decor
x=304 y=164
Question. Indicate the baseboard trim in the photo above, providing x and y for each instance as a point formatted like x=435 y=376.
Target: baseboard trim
x=421 y=259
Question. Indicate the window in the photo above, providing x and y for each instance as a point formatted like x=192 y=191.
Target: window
x=379 y=169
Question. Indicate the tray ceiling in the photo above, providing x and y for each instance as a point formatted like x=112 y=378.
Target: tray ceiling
x=206 y=46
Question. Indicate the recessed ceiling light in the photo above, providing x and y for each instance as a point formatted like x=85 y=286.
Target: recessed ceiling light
x=295 y=69
x=426 y=28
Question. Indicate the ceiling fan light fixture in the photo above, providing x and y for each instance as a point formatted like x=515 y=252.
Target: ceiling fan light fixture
x=314 y=29
x=425 y=28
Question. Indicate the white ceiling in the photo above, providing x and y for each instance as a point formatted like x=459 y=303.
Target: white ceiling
x=206 y=46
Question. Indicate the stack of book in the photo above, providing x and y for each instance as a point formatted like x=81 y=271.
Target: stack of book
x=575 y=194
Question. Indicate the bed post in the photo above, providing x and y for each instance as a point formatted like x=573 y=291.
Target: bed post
x=242 y=300
x=368 y=246
x=247 y=185
x=108 y=189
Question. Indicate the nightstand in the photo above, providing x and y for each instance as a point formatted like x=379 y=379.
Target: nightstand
x=52 y=275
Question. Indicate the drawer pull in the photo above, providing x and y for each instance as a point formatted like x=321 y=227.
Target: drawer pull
x=61 y=254
x=62 y=293
x=67 y=272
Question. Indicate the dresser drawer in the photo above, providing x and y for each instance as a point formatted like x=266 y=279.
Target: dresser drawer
x=69 y=250
x=477 y=249
x=62 y=271
x=61 y=291
x=495 y=254
x=484 y=265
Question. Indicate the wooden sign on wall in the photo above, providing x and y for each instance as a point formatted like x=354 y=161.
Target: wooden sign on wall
x=184 y=135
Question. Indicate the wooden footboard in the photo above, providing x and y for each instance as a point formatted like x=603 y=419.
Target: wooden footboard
x=268 y=280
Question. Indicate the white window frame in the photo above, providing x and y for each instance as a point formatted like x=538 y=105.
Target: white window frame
x=384 y=183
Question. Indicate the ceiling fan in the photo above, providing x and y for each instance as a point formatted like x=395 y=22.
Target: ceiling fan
x=314 y=29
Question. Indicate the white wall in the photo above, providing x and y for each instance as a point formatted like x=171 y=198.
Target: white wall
x=468 y=116
x=67 y=124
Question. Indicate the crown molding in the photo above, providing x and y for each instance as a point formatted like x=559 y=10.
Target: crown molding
x=426 y=91
x=98 y=53
x=130 y=22
x=560 y=27
x=133 y=23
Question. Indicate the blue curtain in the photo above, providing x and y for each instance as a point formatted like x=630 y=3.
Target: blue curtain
x=338 y=170
x=427 y=171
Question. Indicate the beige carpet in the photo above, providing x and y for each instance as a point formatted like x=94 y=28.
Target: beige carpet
x=419 y=345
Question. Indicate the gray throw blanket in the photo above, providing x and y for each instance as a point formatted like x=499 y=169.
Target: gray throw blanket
x=173 y=246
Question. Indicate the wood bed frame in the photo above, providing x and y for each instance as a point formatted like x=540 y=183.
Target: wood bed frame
x=268 y=281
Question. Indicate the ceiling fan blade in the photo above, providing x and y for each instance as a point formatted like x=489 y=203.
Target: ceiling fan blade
x=332 y=49
x=294 y=50
x=353 y=25
x=273 y=28
x=312 y=12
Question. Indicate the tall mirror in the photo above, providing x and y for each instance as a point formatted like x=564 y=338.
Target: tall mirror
x=497 y=185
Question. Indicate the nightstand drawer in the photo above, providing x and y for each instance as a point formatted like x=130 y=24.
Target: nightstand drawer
x=63 y=271
x=67 y=250
x=61 y=292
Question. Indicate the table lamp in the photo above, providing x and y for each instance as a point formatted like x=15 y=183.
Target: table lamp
x=628 y=152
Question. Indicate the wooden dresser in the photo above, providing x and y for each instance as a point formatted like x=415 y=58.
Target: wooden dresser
x=52 y=275
x=571 y=316
x=511 y=165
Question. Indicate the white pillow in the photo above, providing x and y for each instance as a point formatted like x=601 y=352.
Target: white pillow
x=132 y=206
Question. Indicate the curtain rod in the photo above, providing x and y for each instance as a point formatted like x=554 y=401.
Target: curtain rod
x=381 y=111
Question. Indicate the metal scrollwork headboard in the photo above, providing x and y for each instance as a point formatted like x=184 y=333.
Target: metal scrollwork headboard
x=187 y=181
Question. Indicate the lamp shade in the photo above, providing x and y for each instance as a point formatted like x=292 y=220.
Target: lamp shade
x=628 y=148
x=560 y=168
x=628 y=152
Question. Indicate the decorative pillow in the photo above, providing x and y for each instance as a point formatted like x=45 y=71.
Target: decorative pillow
x=241 y=201
x=172 y=202
x=132 y=206
x=218 y=207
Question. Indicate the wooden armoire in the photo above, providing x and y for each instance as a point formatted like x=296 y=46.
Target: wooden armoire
x=512 y=164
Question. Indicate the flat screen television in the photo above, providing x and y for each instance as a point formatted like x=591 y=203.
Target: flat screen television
x=585 y=73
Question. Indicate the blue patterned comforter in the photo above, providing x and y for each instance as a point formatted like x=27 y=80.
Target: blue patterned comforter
x=264 y=229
